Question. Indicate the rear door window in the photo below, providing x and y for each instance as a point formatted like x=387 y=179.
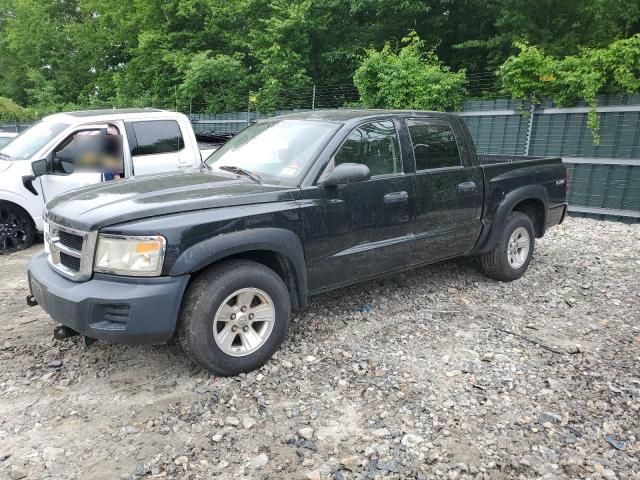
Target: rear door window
x=434 y=144
x=157 y=137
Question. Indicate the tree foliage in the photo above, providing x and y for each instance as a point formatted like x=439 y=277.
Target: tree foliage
x=207 y=78
x=11 y=111
x=211 y=53
x=409 y=78
x=532 y=74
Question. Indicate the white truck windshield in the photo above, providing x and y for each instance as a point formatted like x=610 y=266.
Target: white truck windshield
x=29 y=142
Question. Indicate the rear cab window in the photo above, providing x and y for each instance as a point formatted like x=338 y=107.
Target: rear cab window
x=434 y=144
x=156 y=137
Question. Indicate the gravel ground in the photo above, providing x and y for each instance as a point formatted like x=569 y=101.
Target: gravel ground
x=441 y=373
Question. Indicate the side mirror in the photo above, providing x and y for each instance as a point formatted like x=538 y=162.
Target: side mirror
x=39 y=168
x=346 y=173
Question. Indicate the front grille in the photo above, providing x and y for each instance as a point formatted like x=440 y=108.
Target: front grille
x=72 y=263
x=70 y=251
x=71 y=240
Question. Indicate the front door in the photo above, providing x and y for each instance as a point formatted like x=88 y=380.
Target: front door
x=68 y=168
x=361 y=229
x=448 y=193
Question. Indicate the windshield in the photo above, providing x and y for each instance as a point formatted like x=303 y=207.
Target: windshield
x=279 y=151
x=27 y=144
x=4 y=141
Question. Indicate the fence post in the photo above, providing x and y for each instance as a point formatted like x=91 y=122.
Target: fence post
x=313 y=98
x=249 y=110
x=527 y=145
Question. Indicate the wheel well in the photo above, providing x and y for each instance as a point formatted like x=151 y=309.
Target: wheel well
x=276 y=262
x=534 y=209
x=23 y=210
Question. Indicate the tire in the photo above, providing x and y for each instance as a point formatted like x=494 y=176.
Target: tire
x=212 y=296
x=508 y=262
x=17 y=230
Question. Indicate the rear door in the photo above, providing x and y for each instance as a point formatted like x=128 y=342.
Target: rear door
x=362 y=229
x=448 y=192
x=157 y=146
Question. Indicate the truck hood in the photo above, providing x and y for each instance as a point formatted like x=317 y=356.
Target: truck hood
x=97 y=206
x=5 y=164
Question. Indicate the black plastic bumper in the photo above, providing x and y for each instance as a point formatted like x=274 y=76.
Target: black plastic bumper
x=110 y=308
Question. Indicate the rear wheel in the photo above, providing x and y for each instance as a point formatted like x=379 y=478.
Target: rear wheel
x=17 y=230
x=235 y=316
x=511 y=257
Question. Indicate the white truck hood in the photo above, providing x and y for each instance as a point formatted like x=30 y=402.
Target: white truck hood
x=5 y=164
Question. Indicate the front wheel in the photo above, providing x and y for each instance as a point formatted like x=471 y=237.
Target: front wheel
x=511 y=257
x=17 y=230
x=235 y=316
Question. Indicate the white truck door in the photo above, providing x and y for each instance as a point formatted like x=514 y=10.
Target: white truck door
x=63 y=176
x=158 y=146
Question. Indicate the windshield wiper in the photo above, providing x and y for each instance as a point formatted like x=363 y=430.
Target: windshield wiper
x=5 y=156
x=241 y=171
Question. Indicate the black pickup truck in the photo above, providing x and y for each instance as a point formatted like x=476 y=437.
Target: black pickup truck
x=290 y=207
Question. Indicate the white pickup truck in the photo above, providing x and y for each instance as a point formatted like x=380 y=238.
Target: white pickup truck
x=153 y=141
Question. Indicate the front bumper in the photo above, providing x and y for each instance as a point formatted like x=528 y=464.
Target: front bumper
x=110 y=308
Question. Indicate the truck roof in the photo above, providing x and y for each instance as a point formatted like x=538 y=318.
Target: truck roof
x=348 y=115
x=83 y=116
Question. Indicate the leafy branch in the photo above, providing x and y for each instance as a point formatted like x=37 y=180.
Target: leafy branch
x=532 y=74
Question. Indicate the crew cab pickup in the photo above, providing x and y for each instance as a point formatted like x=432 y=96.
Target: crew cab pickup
x=288 y=208
x=150 y=141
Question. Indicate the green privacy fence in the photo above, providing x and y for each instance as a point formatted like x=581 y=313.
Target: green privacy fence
x=604 y=177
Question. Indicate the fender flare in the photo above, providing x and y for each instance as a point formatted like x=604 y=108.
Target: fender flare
x=504 y=208
x=283 y=242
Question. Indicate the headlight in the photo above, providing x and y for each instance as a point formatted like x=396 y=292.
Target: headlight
x=135 y=256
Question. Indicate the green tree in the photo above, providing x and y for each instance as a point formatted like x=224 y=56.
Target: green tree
x=11 y=111
x=92 y=53
x=560 y=28
x=216 y=83
x=408 y=79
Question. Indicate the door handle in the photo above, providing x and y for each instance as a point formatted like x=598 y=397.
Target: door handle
x=467 y=187
x=396 y=197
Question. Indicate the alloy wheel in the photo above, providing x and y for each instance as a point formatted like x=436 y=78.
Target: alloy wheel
x=518 y=247
x=244 y=322
x=13 y=230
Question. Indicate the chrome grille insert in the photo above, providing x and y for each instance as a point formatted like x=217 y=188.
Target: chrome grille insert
x=70 y=251
x=70 y=262
x=70 y=240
